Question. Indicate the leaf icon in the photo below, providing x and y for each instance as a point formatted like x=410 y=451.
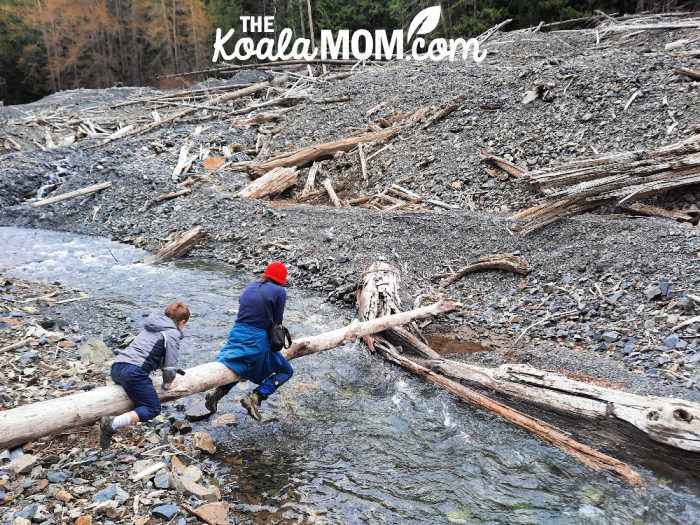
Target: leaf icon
x=424 y=22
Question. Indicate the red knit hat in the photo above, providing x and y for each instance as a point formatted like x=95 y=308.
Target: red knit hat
x=277 y=272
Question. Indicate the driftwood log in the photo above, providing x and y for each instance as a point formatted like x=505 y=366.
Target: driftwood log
x=587 y=455
x=498 y=261
x=583 y=185
x=77 y=193
x=28 y=422
x=307 y=155
x=272 y=183
x=180 y=246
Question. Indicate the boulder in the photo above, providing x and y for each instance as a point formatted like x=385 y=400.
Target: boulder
x=94 y=351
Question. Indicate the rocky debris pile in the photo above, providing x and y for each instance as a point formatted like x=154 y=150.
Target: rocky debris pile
x=64 y=480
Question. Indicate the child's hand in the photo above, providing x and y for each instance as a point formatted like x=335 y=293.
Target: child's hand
x=169 y=375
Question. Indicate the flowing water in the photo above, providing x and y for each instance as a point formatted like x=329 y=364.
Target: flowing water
x=350 y=439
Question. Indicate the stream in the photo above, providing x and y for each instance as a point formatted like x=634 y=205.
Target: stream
x=350 y=439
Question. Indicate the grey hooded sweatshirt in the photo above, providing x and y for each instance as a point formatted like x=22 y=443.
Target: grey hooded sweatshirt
x=147 y=349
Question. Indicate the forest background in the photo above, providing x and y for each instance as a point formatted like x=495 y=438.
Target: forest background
x=52 y=45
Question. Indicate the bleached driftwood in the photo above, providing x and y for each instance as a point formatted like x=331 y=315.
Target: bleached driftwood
x=582 y=185
x=309 y=154
x=27 y=422
x=497 y=261
x=77 y=193
x=273 y=182
x=311 y=179
x=331 y=193
x=671 y=421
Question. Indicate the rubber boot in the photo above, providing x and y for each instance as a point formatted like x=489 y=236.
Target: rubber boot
x=106 y=432
x=211 y=400
x=251 y=403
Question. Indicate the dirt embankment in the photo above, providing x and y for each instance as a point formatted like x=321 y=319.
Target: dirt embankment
x=607 y=289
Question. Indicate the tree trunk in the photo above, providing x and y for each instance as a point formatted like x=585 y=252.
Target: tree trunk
x=32 y=421
x=180 y=246
x=272 y=183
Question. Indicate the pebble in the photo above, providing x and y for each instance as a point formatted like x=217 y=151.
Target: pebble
x=23 y=464
x=204 y=442
x=165 y=511
x=163 y=479
x=610 y=337
x=56 y=477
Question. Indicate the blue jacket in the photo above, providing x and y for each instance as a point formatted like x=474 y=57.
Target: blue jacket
x=147 y=349
x=251 y=310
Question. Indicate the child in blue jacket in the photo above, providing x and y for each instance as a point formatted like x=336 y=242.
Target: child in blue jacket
x=157 y=346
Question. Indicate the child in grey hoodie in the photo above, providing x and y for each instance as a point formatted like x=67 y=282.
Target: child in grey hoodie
x=157 y=346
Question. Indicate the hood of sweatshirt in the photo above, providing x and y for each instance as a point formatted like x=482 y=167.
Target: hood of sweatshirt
x=159 y=322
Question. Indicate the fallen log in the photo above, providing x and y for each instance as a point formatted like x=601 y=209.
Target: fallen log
x=445 y=109
x=239 y=93
x=166 y=197
x=497 y=261
x=331 y=193
x=77 y=193
x=273 y=182
x=380 y=294
x=655 y=211
x=309 y=154
x=509 y=167
x=587 y=455
x=311 y=179
x=583 y=185
x=690 y=73
x=180 y=246
x=28 y=422
x=674 y=422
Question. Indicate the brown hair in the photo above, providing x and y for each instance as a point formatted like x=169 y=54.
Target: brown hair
x=178 y=311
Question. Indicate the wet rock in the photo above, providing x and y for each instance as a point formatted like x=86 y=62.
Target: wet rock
x=180 y=426
x=94 y=351
x=204 y=442
x=165 y=511
x=214 y=513
x=190 y=472
x=197 y=411
x=187 y=486
x=23 y=464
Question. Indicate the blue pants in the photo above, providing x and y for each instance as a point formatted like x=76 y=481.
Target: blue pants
x=283 y=374
x=135 y=381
